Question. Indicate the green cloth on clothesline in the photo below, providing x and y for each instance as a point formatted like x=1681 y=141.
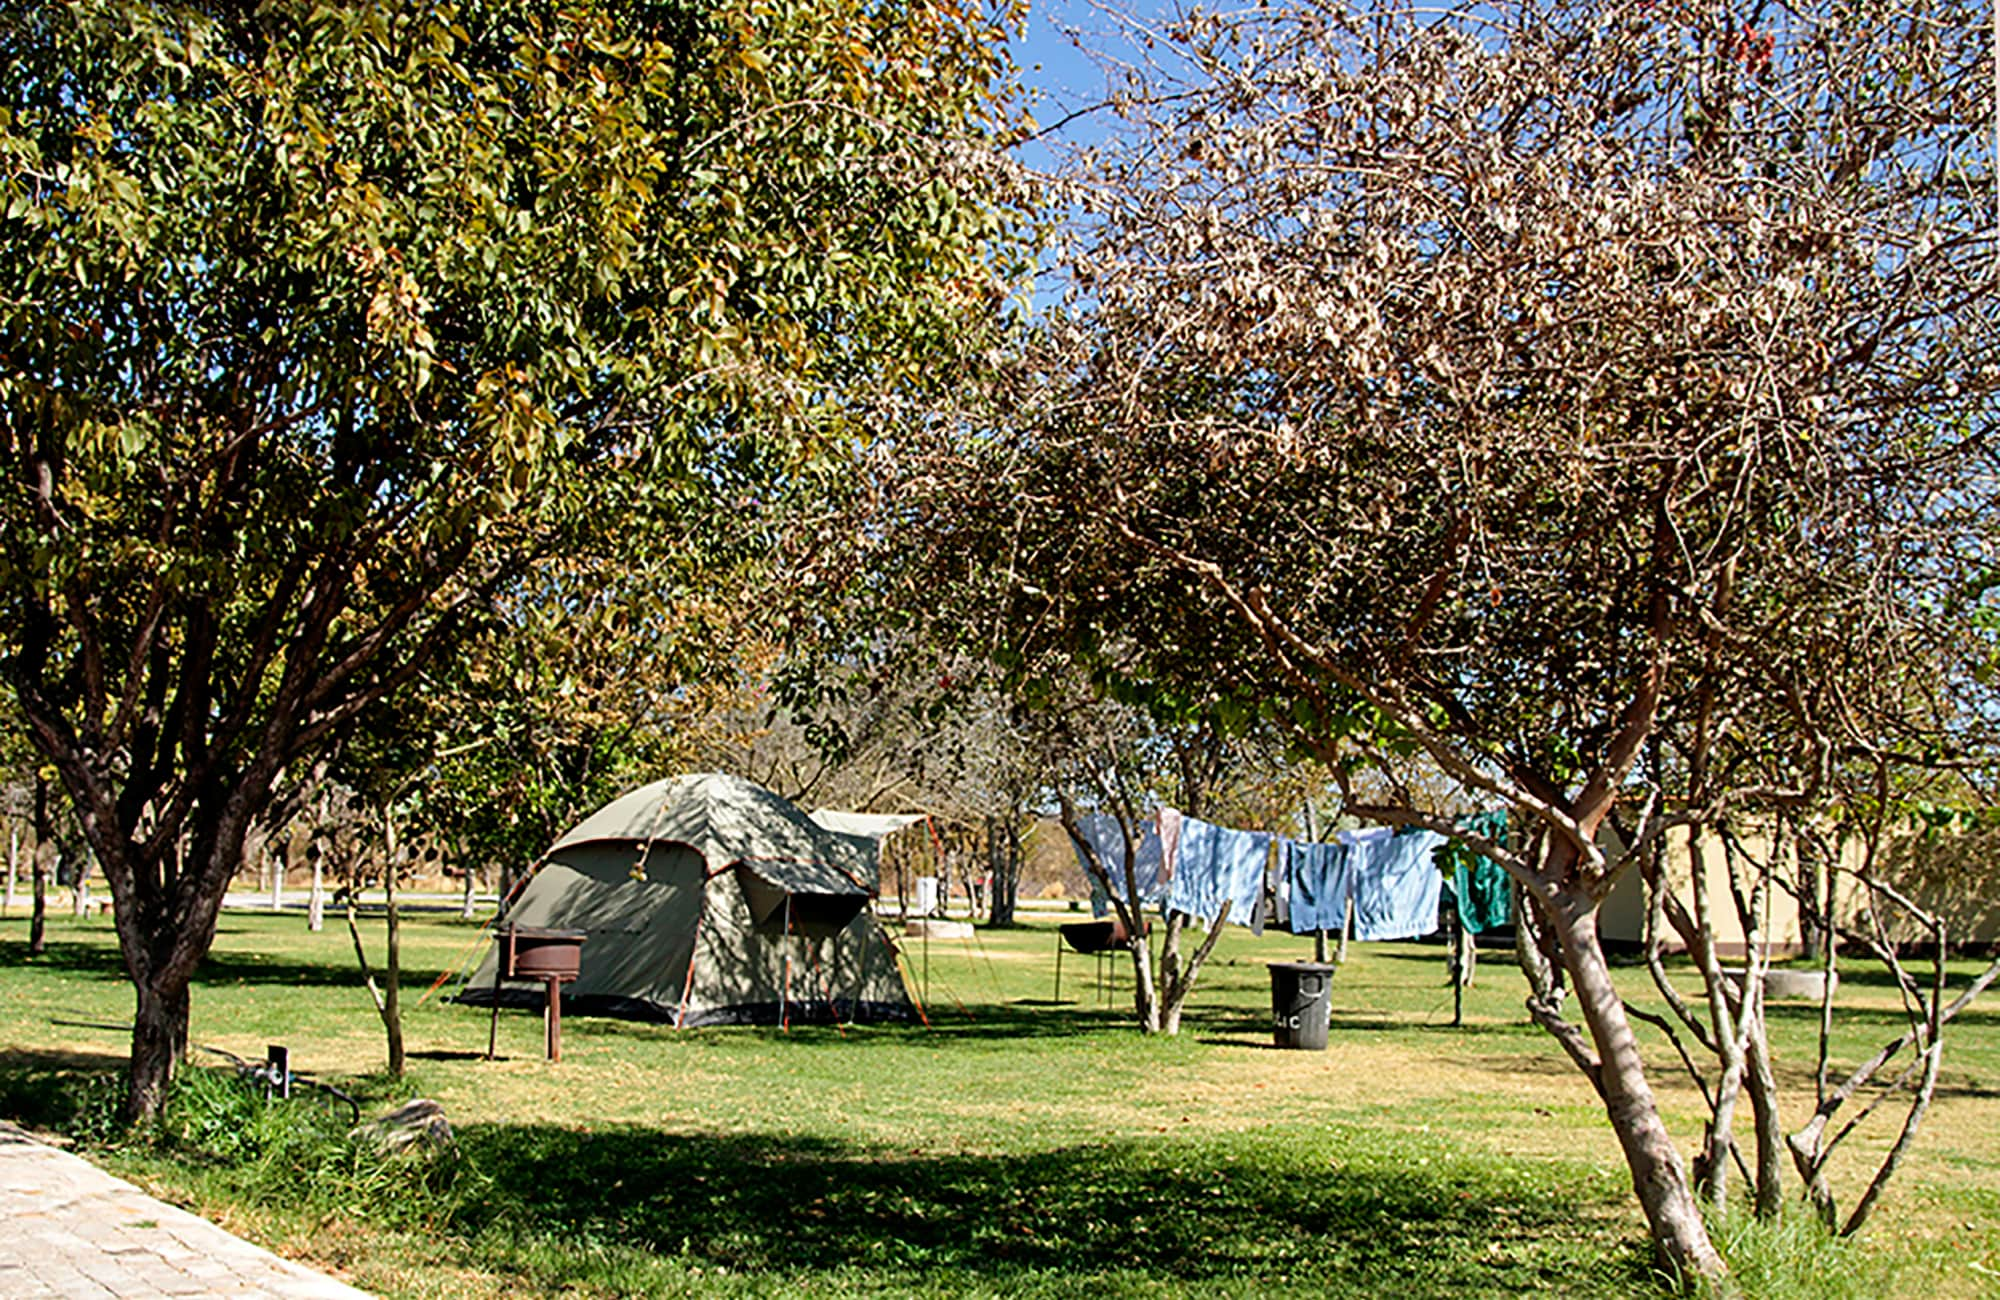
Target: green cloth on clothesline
x=1484 y=900
x=1479 y=884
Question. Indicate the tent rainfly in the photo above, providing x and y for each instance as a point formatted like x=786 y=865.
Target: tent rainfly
x=708 y=900
x=868 y=826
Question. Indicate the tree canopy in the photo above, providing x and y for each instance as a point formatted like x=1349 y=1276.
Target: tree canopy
x=322 y=323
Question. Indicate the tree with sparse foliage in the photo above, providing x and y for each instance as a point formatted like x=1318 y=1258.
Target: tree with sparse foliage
x=1483 y=384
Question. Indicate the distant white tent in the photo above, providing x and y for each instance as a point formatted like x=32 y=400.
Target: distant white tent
x=873 y=826
x=870 y=830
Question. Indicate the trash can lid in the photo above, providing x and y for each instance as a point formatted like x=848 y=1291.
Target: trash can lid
x=1302 y=966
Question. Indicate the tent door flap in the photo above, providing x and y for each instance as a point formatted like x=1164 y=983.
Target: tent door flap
x=815 y=916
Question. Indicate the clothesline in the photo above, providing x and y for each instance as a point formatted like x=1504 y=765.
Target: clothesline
x=1396 y=880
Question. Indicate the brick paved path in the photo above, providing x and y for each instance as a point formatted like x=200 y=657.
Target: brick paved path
x=69 y=1230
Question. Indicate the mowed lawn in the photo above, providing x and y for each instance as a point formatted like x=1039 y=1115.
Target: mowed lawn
x=1017 y=1145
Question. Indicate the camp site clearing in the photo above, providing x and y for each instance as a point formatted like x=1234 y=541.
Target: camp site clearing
x=1027 y=1141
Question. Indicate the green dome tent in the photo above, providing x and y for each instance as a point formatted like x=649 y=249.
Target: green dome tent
x=708 y=900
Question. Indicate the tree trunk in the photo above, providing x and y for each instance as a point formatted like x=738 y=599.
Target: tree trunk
x=1126 y=907
x=1658 y=1178
x=1529 y=954
x=1812 y=934
x=903 y=888
x=1145 y=1004
x=1177 y=983
x=254 y=846
x=1170 y=975
x=79 y=888
x=1461 y=963
x=352 y=895
x=38 y=912
x=45 y=850
x=279 y=854
x=1006 y=870
x=1713 y=1174
x=983 y=895
x=166 y=909
x=13 y=864
x=468 y=903
x=1720 y=1145
x=316 y=901
x=1017 y=859
x=392 y=974
x=1762 y=1085
x=159 y=1042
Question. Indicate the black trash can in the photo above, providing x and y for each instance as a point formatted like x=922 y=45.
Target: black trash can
x=1300 y=1000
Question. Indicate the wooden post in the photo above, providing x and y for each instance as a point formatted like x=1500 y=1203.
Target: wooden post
x=503 y=961
x=1458 y=964
x=552 y=1018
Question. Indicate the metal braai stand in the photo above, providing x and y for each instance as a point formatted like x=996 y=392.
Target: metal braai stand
x=554 y=957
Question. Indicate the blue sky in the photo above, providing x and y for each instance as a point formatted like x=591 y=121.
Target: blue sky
x=1050 y=64
x=1059 y=77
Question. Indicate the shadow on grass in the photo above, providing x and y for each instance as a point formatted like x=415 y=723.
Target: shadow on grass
x=1264 y=1216
x=974 y=1022
x=49 y=1089
x=637 y=1211
x=445 y=1054
x=1985 y=1014
x=1219 y=1025
x=101 y=962
x=94 y=961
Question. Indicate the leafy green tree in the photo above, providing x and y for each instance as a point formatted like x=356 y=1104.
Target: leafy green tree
x=596 y=676
x=323 y=323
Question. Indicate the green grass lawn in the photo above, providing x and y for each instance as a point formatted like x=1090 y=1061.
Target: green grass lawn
x=1018 y=1145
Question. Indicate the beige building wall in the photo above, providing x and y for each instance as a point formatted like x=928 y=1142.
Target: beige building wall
x=1622 y=920
x=1955 y=876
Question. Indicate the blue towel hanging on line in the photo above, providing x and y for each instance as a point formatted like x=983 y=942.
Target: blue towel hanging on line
x=1318 y=874
x=1216 y=863
x=1104 y=835
x=1396 y=886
